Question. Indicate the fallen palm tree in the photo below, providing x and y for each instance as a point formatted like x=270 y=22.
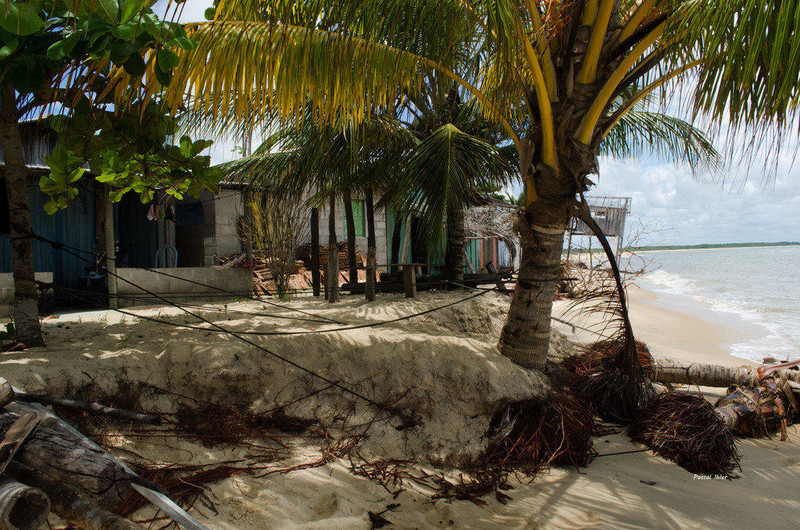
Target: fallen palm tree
x=758 y=401
x=687 y=373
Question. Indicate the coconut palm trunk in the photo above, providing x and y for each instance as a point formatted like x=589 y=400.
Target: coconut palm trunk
x=526 y=334
x=332 y=274
x=26 y=297
x=456 y=240
x=372 y=245
x=352 y=265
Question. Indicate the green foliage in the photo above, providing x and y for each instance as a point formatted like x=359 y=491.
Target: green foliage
x=130 y=153
x=69 y=52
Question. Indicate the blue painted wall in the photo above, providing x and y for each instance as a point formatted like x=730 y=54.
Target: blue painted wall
x=73 y=226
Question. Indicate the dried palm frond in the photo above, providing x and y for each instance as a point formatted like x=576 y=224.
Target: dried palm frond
x=685 y=429
x=613 y=376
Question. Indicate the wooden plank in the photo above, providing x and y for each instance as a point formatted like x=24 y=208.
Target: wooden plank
x=19 y=431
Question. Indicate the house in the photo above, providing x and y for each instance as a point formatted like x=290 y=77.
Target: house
x=188 y=248
x=185 y=241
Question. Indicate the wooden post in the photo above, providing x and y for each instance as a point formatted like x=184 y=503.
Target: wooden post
x=407 y=242
x=111 y=253
x=372 y=251
x=410 y=280
x=569 y=242
x=315 y=273
x=332 y=274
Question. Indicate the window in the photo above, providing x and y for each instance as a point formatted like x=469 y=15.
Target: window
x=359 y=219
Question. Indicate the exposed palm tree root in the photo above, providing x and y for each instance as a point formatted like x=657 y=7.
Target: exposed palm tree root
x=528 y=438
x=685 y=429
x=557 y=432
x=617 y=395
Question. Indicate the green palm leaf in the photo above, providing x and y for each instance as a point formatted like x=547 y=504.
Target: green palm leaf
x=669 y=138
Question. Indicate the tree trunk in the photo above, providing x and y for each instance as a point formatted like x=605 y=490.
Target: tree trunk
x=526 y=334
x=315 y=275
x=333 y=254
x=26 y=296
x=397 y=235
x=22 y=507
x=686 y=373
x=70 y=506
x=72 y=461
x=456 y=240
x=372 y=245
x=352 y=265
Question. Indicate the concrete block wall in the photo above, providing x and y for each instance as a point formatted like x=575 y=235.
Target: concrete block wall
x=229 y=207
x=234 y=281
x=7 y=291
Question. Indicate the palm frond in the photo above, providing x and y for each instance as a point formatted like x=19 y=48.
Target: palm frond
x=749 y=80
x=444 y=171
x=642 y=132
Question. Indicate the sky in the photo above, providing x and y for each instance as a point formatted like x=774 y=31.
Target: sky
x=671 y=206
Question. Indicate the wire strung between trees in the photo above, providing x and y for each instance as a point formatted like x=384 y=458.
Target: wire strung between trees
x=62 y=246
x=240 y=335
x=76 y=293
x=279 y=333
x=402 y=415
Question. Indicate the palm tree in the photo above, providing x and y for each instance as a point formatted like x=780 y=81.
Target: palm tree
x=459 y=155
x=556 y=76
x=337 y=161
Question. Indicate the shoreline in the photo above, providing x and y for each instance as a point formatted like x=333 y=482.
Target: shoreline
x=671 y=332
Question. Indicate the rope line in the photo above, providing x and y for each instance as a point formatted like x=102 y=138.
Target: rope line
x=358 y=395
x=61 y=246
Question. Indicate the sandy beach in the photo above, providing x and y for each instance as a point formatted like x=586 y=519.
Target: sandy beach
x=624 y=487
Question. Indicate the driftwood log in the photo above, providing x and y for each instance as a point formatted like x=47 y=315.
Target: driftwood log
x=6 y=393
x=67 y=505
x=71 y=460
x=685 y=373
x=22 y=507
x=94 y=408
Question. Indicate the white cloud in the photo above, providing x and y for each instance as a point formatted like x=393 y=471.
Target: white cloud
x=692 y=211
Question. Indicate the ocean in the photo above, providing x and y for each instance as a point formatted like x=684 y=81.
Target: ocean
x=759 y=286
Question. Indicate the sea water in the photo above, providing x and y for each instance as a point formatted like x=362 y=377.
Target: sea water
x=758 y=284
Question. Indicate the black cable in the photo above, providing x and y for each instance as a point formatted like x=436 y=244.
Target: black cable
x=59 y=246
x=400 y=414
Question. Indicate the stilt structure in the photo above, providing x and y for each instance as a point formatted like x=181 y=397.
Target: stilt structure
x=610 y=213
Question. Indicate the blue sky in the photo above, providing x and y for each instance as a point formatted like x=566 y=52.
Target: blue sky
x=670 y=206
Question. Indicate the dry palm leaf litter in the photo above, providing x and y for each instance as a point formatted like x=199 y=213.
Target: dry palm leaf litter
x=685 y=429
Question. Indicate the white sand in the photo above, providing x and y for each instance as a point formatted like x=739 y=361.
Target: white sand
x=608 y=493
